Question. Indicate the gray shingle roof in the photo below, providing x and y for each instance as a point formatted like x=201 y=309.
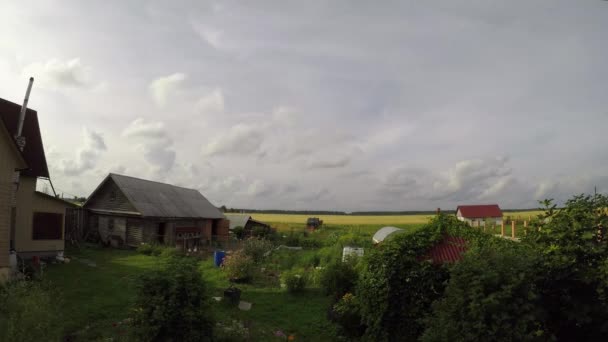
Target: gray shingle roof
x=237 y=220
x=153 y=199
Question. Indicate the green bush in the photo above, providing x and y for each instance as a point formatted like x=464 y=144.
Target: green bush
x=310 y=243
x=150 y=249
x=491 y=296
x=396 y=288
x=30 y=311
x=172 y=304
x=338 y=278
x=294 y=280
x=239 y=232
x=170 y=252
x=239 y=266
x=574 y=271
x=346 y=313
x=263 y=232
x=257 y=249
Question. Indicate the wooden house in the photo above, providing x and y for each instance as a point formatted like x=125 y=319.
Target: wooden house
x=12 y=161
x=37 y=220
x=478 y=215
x=126 y=212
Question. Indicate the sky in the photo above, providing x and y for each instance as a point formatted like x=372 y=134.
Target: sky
x=320 y=105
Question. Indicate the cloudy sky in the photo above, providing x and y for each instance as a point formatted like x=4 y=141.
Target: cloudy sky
x=341 y=105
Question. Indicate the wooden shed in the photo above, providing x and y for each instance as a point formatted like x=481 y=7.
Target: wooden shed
x=126 y=212
x=245 y=221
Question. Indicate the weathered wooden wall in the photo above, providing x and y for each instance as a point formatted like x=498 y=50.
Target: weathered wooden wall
x=110 y=197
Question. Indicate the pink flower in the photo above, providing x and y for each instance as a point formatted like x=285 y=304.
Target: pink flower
x=279 y=333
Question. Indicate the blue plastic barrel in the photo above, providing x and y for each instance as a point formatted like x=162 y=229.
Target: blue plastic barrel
x=218 y=258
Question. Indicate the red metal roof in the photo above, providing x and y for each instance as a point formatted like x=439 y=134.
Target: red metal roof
x=479 y=211
x=448 y=250
x=34 y=151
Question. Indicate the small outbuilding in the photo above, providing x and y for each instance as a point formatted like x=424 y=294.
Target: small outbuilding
x=128 y=211
x=245 y=221
x=478 y=215
x=385 y=232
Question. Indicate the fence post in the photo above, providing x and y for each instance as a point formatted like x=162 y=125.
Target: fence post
x=513 y=229
x=502 y=228
x=525 y=224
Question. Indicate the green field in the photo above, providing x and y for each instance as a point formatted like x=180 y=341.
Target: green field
x=381 y=220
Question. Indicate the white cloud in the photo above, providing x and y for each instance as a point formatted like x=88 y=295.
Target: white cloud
x=211 y=36
x=56 y=73
x=336 y=162
x=154 y=143
x=86 y=156
x=163 y=88
x=211 y=103
x=240 y=140
x=140 y=128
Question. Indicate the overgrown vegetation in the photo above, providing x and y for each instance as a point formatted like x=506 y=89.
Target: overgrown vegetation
x=172 y=304
x=239 y=266
x=30 y=311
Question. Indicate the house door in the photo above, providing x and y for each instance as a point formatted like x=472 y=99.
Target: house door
x=161 y=232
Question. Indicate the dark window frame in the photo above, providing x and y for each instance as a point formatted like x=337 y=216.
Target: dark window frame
x=47 y=226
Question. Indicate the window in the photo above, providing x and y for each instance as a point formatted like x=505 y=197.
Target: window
x=47 y=226
x=110 y=224
x=112 y=196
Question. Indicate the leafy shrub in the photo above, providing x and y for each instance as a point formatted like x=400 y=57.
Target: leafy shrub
x=30 y=311
x=170 y=252
x=338 y=278
x=239 y=232
x=150 y=249
x=330 y=254
x=294 y=280
x=574 y=249
x=257 y=249
x=239 y=266
x=263 y=232
x=292 y=240
x=396 y=288
x=171 y=304
x=310 y=243
x=491 y=296
x=346 y=313
x=312 y=260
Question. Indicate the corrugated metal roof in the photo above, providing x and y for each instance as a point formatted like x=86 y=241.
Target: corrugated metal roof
x=237 y=220
x=448 y=250
x=33 y=153
x=154 y=199
x=479 y=211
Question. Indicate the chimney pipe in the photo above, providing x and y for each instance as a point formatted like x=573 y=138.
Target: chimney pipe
x=21 y=139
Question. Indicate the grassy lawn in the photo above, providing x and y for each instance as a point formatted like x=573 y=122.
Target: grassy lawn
x=95 y=298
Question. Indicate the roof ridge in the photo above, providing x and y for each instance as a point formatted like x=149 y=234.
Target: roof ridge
x=151 y=181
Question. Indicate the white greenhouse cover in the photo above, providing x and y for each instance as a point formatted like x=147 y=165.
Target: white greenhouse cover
x=384 y=232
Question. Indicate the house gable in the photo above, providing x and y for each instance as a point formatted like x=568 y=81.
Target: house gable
x=33 y=153
x=110 y=198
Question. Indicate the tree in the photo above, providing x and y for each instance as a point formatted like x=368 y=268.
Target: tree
x=574 y=266
x=397 y=287
x=491 y=296
x=172 y=304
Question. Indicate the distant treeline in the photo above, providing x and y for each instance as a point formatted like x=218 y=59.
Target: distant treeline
x=363 y=213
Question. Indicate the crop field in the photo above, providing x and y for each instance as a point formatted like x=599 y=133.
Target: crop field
x=369 y=219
